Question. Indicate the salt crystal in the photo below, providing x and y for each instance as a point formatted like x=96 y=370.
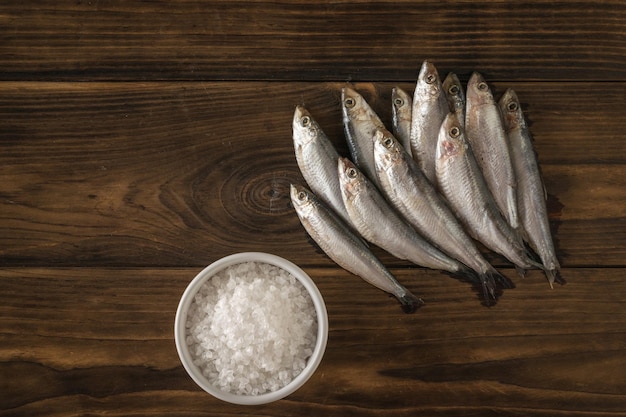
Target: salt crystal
x=252 y=328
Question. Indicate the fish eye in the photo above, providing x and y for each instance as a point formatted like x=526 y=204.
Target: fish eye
x=398 y=102
x=387 y=142
x=302 y=196
x=455 y=132
x=352 y=173
x=482 y=86
x=454 y=89
x=512 y=106
x=305 y=121
x=349 y=102
x=431 y=78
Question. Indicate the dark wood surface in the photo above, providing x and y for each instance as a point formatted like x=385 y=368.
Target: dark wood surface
x=141 y=141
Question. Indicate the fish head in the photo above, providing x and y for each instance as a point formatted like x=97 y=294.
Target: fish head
x=354 y=106
x=451 y=140
x=511 y=110
x=305 y=128
x=387 y=149
x=351 y=179
x=305 y=203
x=401 y=104
x=478 y=91
x=429 y=86
x=454 y=91
x=301 y=198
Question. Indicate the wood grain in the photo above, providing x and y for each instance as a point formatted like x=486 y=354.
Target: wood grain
x=295 y=40
x=99 y=340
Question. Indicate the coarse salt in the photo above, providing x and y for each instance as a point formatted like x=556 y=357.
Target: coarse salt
x=251 y=328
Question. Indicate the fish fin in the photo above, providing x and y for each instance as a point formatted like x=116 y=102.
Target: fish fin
x=409 y=302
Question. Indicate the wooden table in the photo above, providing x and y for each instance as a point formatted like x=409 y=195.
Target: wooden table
x=141 y=141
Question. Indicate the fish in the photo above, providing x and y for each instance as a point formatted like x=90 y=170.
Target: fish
x=359 y=122
x=379 y=224
x=531 y=195
x=490 y=145
x=429 y=108
x=455 y=96
x=346 y=248
x=462 y=184
x=317 y=159
x=407 y=189
x=401 y=117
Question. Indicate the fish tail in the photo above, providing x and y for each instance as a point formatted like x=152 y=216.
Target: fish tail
x=501 y=280
x=530 y=252
x=492 y=283
x=488 y=291
x=527 y=261
x=484 y=283
x=466 y=274
x=554 y=276
x=409 y=302
x=536 y=264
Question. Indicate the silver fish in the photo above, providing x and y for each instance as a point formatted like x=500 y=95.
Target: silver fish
x=490 y=145
x=378 y=223
x=402 y=104
x=345 y=248
x=429 y=108
x=462 y=184
x=317 y=160
x=359 y=122
x=455 y=95
x=408 y=190
x=531 y=197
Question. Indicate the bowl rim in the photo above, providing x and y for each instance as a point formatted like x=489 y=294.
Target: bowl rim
x=188 y=296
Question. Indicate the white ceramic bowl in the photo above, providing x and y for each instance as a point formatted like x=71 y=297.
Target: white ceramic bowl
x=211 y=270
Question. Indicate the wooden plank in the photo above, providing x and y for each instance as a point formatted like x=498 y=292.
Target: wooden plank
x=114 y=193
x=178 y=174
x=295 y=40
x=99 y=341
